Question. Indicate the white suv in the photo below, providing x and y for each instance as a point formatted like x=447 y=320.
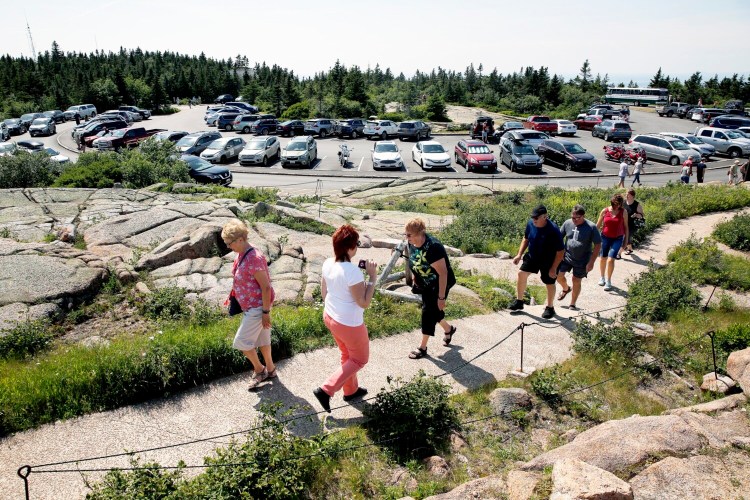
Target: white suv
x=84 y=111
x=385 y=154
x=380 y=128
x=260 y=150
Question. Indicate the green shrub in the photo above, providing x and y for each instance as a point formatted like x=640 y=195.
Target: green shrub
x=604 y=341
x=298 y=111
x=166 y=303
x=736 y=337
x=703 y=263
x=735 y=233
x=417 y=416
x=205 y=313
x=26 y=339
x=394 y=116
x=93 y=170
x=25 y=170
x=154 y=161
x=149 y=481
x=254 y=195
x=654 y=294
x=548 y=385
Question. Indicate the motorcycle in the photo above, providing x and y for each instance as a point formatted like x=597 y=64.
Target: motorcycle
x=634 y=153
x=614 y=152
x=344 y=153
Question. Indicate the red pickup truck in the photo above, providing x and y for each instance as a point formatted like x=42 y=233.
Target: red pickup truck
x=540 y=124
x=124 y=138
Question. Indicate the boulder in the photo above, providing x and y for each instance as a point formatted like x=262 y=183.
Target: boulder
x=698 y=477
x=500 y=254
x=365 y=241
x=714 y=383
x=738 y=367
x=722 y=430
x=717 y=405
x=195 y=239
x=485 y=488
x=521 y=484
x=402 y=476
x=437 y=466
x=17 y=312
x=643 y=329
x=507 y=400
x=573 y=479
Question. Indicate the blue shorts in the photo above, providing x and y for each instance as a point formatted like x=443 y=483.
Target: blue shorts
x=610 y=246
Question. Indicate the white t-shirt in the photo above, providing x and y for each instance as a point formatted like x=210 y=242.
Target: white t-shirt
x=637 y=168
x=340 y=305
x=623 y=169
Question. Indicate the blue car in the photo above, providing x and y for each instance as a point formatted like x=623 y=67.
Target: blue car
x=204 y=172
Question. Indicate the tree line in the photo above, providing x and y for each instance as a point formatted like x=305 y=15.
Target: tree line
x=57 y=79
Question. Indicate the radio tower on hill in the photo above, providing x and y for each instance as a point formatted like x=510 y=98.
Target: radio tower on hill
x=31 y=40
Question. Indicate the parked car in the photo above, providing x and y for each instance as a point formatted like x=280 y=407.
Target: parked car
x=475 y=155
x=477 y=127
x=42 y=126
x=696 y=143
x=84 y=111
x=4 y=132
x=27 y=118
x=224 y=98
x=664 y=148
x=413 y=129
x=123 y=115
x=30 y=146
x=704 y=115
x=685 y=111
x=213 y=117
x=55 y=156
x=56 y=115
x=264 y=126
x=567 y=154
x=322 y=127
x=505 y=127
x=729 y=142
x=290 y=128
x=245 y=107
x=145 y=113
x=353 y=127
x=729 y=122
x=612 y=130
x=531 y=137
x=221 y=150
x=565 y=127
x=124 y=138
x=244 y=122
x=519 y=156
x=204 y=172
x=15 y=127
x=195 y=143
x=93 y=128
x=385 y=154
x=225 y=121
x=380 y=128
x=540 y=124
x=671 y=109
x=170 y=135
x=7 y=148
x=587 y=122
x=260 y=151
x=430 y=155
x=301 y=151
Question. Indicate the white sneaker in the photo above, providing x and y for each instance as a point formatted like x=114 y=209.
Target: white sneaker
x=602 y=281
x=608 y=286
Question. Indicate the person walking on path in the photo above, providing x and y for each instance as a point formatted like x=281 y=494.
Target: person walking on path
x=433 y=279
x=623 y=172
x=686 y=171
x=546 y=250
x=733 y=173
x=613 y=224
x=251 y=287
x=700 y=169
x=636 y=220
x=346 y=295
x=637 y=171
x=580 y=236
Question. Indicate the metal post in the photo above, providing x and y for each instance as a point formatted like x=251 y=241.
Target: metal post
x=523 y=325
x=705 y=306
x=713 y=352
x=23 y=473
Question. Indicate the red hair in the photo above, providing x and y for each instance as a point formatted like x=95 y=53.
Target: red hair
x=344 y=239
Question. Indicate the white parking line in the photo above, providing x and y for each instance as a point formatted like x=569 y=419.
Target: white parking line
x=360 y=164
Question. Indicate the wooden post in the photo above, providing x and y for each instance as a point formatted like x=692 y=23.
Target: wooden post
x=388 y=267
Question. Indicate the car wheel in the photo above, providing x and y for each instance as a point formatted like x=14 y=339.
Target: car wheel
x=227 y=127
x=383 y=136
x=734 y=153
x=428 y=135
x=265 y=161
x=222 y=159
x=354 y=134
x=323 y=134
x=674 y=161
x=568 y=166
x=606 y=136
x=638 y=103
x=593 y=133
x=421 y=164
x=245 y=130
x=669 y=114
x=264 y=131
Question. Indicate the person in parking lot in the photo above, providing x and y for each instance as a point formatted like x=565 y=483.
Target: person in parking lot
x=613 y=223
x=580 y=235
x=78 y=118
x=700 y=169
x=734 y=173
x=485 y=131
x=624 y=165
x=686 y=171
x=546 y=250
x=637 y=171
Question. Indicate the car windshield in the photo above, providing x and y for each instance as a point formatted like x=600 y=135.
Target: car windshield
x=27 y=116
x=407 y=125
x=217 y=144
x=694 y=140
x=51 y=152
x=196 y=163
x=564 y=122
x=479 y=150
x=534 y=136
x=734 y=135
x=386 y=148
x=187 y=141
x=11 y=121
x=73 y=108
x=513 y=125
x=574 y=148
x=6 y=148
x=523 y=149
x=118 y=132
x=40 y=121
x=678 y=144
x=433 y=148
x=372 y=124
x=296 y=146
x=256 y=145
x=287 y=123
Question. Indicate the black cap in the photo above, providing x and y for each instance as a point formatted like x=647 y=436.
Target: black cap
x=541 y=209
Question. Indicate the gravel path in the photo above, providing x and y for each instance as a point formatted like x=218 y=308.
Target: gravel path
x=226 y=406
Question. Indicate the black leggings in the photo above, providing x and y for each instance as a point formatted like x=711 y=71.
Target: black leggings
x=431 y=314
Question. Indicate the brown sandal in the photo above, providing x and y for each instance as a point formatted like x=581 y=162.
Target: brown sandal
x=449 y=336
x=563 y=293
x=418 y=353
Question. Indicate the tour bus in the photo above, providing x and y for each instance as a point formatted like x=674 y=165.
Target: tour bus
x=636 y=96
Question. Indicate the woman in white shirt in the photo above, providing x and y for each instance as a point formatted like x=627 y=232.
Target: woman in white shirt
x=346 y=296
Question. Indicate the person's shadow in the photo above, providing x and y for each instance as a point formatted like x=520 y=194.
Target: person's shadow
x=468 y=375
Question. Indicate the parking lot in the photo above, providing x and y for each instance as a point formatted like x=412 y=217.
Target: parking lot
x=191 y=120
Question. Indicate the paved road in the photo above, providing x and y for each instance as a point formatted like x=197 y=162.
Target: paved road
x=334 y=177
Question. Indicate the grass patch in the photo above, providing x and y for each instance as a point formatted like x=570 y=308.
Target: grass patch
x=497 y=293
x=735 y=233
x=702 y=262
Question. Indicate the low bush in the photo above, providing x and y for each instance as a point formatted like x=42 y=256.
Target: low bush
x=735 y=233
x=413 y=419
x=654 y=294
x=166 y=303
x=604 y=341
x=26 y=339
x=92 y=170
x=25 y=170
x=703 y=263
x=394 y=116
x=254 y=195
x=735 y=337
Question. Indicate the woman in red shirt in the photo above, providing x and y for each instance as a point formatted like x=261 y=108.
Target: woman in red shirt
x=613 y=223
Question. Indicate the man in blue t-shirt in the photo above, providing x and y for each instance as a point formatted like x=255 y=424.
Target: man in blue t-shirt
x=546 y=250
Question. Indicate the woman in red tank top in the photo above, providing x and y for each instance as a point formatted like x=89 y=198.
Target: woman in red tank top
x=613 y=223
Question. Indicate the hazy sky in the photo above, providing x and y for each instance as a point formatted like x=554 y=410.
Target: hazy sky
x=630 y=42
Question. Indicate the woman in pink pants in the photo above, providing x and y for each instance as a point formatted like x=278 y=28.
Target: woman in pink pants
x=346 y=296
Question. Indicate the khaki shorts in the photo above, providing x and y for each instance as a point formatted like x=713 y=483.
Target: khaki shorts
x=251 y=333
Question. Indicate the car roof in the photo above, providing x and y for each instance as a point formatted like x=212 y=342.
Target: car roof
x=385 y=142
x=301 y=138
x=431 y=143
x=30 y=143
x=564 y=142
x=474 y=142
